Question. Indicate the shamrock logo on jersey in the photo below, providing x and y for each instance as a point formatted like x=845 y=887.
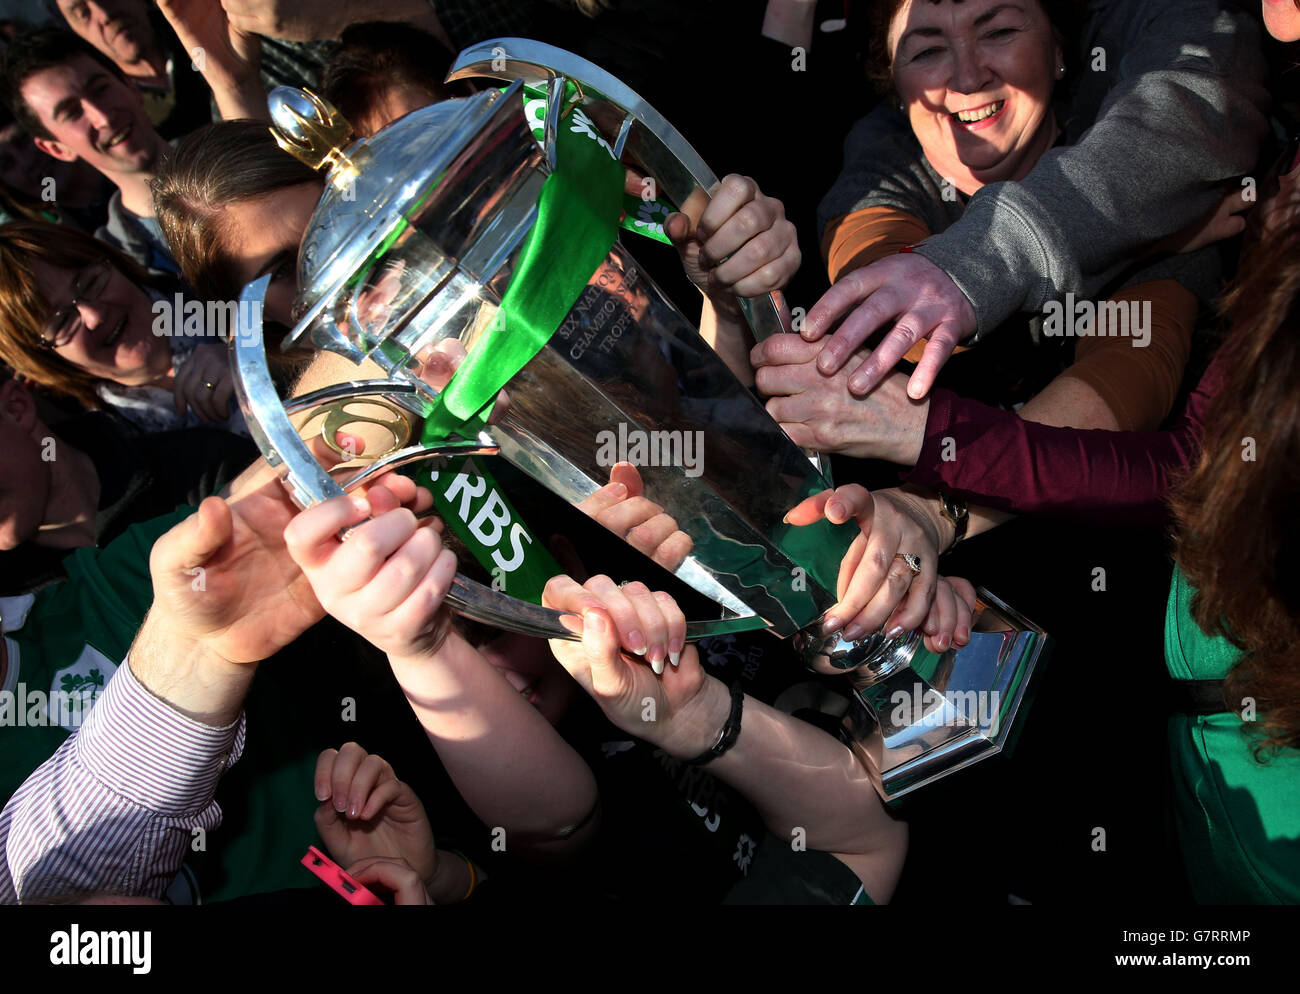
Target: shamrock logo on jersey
x=73 y=682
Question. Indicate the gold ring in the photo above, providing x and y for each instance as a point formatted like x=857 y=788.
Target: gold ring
x=913 y=562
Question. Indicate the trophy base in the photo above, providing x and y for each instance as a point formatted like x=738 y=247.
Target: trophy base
x=916 y=716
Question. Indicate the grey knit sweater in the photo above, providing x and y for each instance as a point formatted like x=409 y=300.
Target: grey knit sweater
x=1179 y=111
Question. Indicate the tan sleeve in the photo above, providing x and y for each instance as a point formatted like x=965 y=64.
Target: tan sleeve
x=861 y=238
x=868 y=235
x=1140 y=385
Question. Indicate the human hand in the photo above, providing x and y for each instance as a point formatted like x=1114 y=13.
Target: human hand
x=742 y=245
x=366 y=812
x=818 y=412
x=204 y=384
x=1222 y=221
x=907 y=289
x=223 y=577
x=394 y=875
x=952 y=613
x=683 y=704
x=876 y=588
x=307 y=20
x=230 y=57
x=387 y=579
x=622 y=507
x=440 y=361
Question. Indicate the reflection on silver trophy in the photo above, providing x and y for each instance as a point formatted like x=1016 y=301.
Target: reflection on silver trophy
x=423 y=233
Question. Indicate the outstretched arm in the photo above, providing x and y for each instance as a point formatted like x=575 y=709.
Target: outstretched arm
x=796 y=775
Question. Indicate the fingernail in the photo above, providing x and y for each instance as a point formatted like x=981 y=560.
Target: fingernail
x=963 y=633
x=894 y=632
x=353 y=812
x=657 y=666
x=593 y=620
x=617 y=489
x=674 y=658
x=657 y=655
x=942 y=641
x=636 y=642
x=339 y=806
x=361 y=504
x=826 y=362
x=322 y=793
x=836 y=508
x=831 y=625
x=854 y=633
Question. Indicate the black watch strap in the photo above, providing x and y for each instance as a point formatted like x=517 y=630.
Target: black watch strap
x=955 y=511
x=730 y=731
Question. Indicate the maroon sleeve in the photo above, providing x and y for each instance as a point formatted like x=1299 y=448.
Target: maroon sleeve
x=993 y=458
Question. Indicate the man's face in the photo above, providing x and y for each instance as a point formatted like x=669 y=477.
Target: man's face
x=92 y=115
x=118 y=28
x=24 y=475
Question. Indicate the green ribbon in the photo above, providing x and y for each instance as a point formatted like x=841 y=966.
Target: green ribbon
x=577 y=221
x=577 y=217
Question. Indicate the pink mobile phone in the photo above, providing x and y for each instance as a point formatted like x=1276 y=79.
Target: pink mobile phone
x=348 y=888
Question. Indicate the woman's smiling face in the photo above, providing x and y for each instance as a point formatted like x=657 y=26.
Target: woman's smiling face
x=975 y=79
x=102 y=322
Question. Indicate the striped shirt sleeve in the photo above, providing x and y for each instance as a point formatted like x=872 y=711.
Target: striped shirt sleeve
x=115 y=808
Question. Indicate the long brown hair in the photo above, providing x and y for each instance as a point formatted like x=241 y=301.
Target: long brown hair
x=24 y=308
x=219 y=164
x=1238 y=512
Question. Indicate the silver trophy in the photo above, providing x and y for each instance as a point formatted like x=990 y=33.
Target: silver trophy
x=417 y=239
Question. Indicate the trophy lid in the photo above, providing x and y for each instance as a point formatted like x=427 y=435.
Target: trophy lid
x=371 y=185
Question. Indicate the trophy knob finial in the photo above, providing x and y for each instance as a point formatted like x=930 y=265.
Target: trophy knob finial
x=310 y=129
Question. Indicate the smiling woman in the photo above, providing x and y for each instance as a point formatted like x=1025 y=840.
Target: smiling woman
x=975 y=80
x=78 y=317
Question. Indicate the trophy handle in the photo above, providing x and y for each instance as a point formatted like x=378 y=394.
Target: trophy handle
x=309 y=483
x=637 y=132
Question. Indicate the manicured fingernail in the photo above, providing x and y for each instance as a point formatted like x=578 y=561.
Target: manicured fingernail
x=657 y=665
x=853 y=633
x=657 y=654
x=831 y=625
x=636 y=642
x=322 y=793
x=674 y=658
x=894 y=632
x=340 y=805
